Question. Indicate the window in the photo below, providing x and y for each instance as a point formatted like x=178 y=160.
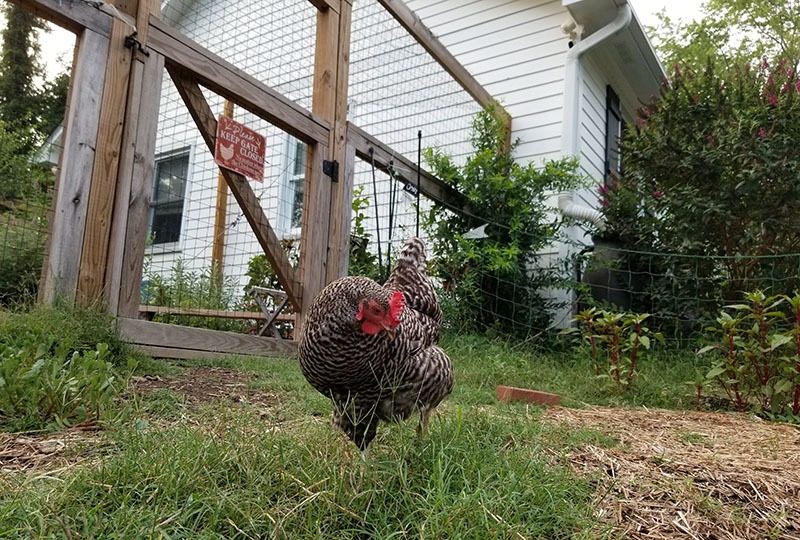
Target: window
x=296 y=172
x=614 y=129
x=166 y=205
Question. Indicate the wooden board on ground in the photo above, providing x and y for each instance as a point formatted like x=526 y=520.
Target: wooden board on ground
x=174 y=341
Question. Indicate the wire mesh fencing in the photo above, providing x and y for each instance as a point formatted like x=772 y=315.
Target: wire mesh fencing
x=401 y=95
x=203 y=263
x=683 y=293
x=23 y=234
x=396 y=90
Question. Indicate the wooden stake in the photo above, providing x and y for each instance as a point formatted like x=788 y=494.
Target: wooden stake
x=221 y=212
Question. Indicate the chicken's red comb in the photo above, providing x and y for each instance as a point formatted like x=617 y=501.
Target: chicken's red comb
x=396 y=305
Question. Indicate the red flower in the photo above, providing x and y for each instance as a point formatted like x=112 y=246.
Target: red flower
x=762 y=133
x=658 y=194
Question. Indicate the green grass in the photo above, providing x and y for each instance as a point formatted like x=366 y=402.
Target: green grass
x=482 y=365
x=225 y=470
x=476 y=476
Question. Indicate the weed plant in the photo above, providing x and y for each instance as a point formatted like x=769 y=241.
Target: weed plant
x=58 y=367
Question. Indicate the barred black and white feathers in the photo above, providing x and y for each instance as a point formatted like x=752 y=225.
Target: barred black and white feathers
x=372 y=349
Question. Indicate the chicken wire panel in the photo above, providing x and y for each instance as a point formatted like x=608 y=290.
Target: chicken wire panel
x=397 y=89
x=32 y=104
x=178 y=269
x=683 y=293
x=272 y=41
x=23 y=235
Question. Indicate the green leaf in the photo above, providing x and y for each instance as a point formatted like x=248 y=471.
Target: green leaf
x=715 y=372
x=783 y=385
x=778 y=340
x=35 y=369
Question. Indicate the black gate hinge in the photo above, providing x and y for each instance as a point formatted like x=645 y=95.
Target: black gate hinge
x=331 y=168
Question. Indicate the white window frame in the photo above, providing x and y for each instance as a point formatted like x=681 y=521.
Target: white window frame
x=294 y=175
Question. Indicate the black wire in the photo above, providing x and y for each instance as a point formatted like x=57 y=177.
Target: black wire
x=392 y=211
x=419 y=166
x=377 y=215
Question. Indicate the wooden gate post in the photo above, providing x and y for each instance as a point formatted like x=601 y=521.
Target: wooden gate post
x=327 y=199
x=70 y=203
x=103 y=186
x=123 y=271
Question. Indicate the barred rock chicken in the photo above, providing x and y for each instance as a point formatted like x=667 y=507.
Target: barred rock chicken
x=372 y=349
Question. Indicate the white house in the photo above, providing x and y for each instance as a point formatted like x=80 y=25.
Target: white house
x=569 y=72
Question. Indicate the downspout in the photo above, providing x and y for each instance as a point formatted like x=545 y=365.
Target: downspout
x=570 y=132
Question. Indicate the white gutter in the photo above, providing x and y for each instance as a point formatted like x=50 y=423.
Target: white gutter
x=570 y=130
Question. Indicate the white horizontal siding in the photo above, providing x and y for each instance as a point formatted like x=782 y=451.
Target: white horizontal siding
x=516 y=50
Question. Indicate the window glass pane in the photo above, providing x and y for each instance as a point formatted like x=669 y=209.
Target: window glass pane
x=170 y=179
x=614 y=126
x=296 y=183
x=166 y=207
x=166 y=225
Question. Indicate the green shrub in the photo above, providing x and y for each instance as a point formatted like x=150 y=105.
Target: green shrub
x=362 y=262
x=22 y=240
x=497 y=282
x=43 y=387
x=183 y=288
x=622 y=338
x=711 y=168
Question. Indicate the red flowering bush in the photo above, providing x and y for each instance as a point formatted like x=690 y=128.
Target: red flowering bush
x=712 y=168
x=721 y=151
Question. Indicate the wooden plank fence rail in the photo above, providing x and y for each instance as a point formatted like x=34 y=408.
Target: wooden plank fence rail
x=149 y=311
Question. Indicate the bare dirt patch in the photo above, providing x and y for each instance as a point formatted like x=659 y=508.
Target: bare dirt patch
x=683 y=474
x=206 y=384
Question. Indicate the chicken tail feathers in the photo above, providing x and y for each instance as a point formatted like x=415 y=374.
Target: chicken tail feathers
x=412 y=255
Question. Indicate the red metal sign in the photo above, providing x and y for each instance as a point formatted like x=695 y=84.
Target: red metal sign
x=240 y=149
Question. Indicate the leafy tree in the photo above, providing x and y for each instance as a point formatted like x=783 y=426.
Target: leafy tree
x=736 y=30
x=19 y=177
x=495 y=282
x=53 y=103
x=19 y=66
x=30 y=106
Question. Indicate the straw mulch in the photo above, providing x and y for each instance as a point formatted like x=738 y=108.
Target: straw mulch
x=682 y=474
x=49 y=451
